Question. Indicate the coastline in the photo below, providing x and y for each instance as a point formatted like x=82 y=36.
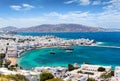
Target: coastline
x=22 y=53
x=23 y=59
x=52 y=42
x=97 y=45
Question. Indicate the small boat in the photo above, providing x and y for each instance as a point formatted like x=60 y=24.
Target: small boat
x=69 y=51
x=66 y=48
x=62 y=48
x=69 y=48
x=52 y=52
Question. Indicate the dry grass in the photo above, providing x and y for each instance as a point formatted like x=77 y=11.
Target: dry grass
x=13 y=78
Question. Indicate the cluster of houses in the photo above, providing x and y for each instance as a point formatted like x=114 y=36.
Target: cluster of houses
x=31 y=75
x=14 y=45
x=116 y=74
x=81 y=74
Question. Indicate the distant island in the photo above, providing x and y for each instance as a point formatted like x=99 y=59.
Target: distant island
x=56 y=28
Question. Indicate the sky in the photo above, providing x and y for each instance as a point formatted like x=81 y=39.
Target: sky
x=27 y=13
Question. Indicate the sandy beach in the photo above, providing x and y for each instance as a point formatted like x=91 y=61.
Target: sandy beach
x=13 y=61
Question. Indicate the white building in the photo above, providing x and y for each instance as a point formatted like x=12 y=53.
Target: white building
x=31 y=75
x=12 y=52
x=117 y=72
x=83 y=78
x=5 y=71
x=94 y=67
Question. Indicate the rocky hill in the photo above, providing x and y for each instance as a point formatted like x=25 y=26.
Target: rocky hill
x=8 y=28
x=61 y=28
x=55 y=28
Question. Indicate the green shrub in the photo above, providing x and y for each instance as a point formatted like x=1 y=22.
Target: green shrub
x=55 y=79
x=70 y=67
x=101 y=69
x=86 y=63
x=7 y=63
x=13 y=78
x=46 y=76
x=80 y=71
x=91 y=79
x=89 y=73
x=2 y=55
x=112 y=73
x=105 y=75
x=1 y=62
x=69 y=80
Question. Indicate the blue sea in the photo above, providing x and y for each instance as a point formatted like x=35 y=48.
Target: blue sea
x=93 y=55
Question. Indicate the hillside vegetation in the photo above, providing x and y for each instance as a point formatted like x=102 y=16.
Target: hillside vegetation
x=13 y=78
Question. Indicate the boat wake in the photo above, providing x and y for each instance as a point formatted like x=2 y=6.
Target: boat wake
x=108 y=46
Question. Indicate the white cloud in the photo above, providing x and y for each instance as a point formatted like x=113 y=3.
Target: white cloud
x=69 y=2
x=15 y=7
x=96 y=2
x=21 y=22
x=27 y=6
x=22 y=7
x=80 y=2
x=84 y=2
x=105 y=19
x=110 y=17
x=113 y=5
